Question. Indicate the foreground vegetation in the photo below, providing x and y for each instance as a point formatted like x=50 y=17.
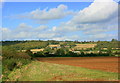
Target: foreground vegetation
x=11 y=59
x=42 y=71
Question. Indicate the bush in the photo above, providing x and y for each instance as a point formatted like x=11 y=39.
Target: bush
x=10 y=64
x=39 y=54
x=12 y=60
x=60 y=52
x=72 y=54
x=8 y=52
x=23 y=55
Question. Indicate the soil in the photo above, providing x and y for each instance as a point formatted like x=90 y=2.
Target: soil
x=109 y=64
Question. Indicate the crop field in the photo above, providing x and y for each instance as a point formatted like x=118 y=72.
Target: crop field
x=108 y=64
x=85 y=46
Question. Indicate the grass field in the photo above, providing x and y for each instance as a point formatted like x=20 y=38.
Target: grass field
x=44 y=71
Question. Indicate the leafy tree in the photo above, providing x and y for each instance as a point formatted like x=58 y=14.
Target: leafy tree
x=48 y=49
x=39 y=54
x=109 y=51
x=71 y=54
x=82 y=53
x=60 y=52
x=113 y=40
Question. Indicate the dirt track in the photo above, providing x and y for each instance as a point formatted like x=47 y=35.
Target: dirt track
x=109 y=64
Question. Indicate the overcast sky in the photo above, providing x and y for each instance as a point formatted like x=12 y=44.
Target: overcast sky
x=81 y=21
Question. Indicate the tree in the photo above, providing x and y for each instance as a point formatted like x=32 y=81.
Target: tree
x=39 y=54
x=109 y=51
x=82 y=53
x=60 y=52
x=71 y=54
x=113 y=40
x=48 y=50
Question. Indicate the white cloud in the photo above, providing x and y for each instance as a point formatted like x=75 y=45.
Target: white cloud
x=42 y=27
x=103 y=36
x=5 y=33
x=99 y=18
x=54 y=28
x=98 y=11
x=24 y=31
x=66 y=27
x=54 y=13
x=23 y=25
x=5 y=30
x=45 y=15
x=73 y=37
x=1 y=1
x=22 y=35
x=46 y=35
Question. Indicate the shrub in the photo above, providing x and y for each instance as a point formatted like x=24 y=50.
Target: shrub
x=23 y=55
x=8 y=52
x=11 y=64
x=39 y=54
x=12 y=60
x=60 y=52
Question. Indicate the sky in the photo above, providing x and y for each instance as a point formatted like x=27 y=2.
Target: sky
x=83 y=21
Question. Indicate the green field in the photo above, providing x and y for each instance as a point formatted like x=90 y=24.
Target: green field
x=43 y=71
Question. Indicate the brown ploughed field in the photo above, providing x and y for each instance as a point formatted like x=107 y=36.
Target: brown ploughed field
x=109 y=64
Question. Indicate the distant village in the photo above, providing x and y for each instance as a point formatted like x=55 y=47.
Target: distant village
x=87 y=48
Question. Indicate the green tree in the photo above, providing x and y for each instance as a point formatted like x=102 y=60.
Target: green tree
x=109 y=51
x=113 y=40
x=82 y=53
x=39 y=54
x=71 y=54
x=60 y=52
x=48 y=49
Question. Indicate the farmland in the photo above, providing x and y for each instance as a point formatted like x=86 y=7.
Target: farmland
x=60 y=61
x=108 y=64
